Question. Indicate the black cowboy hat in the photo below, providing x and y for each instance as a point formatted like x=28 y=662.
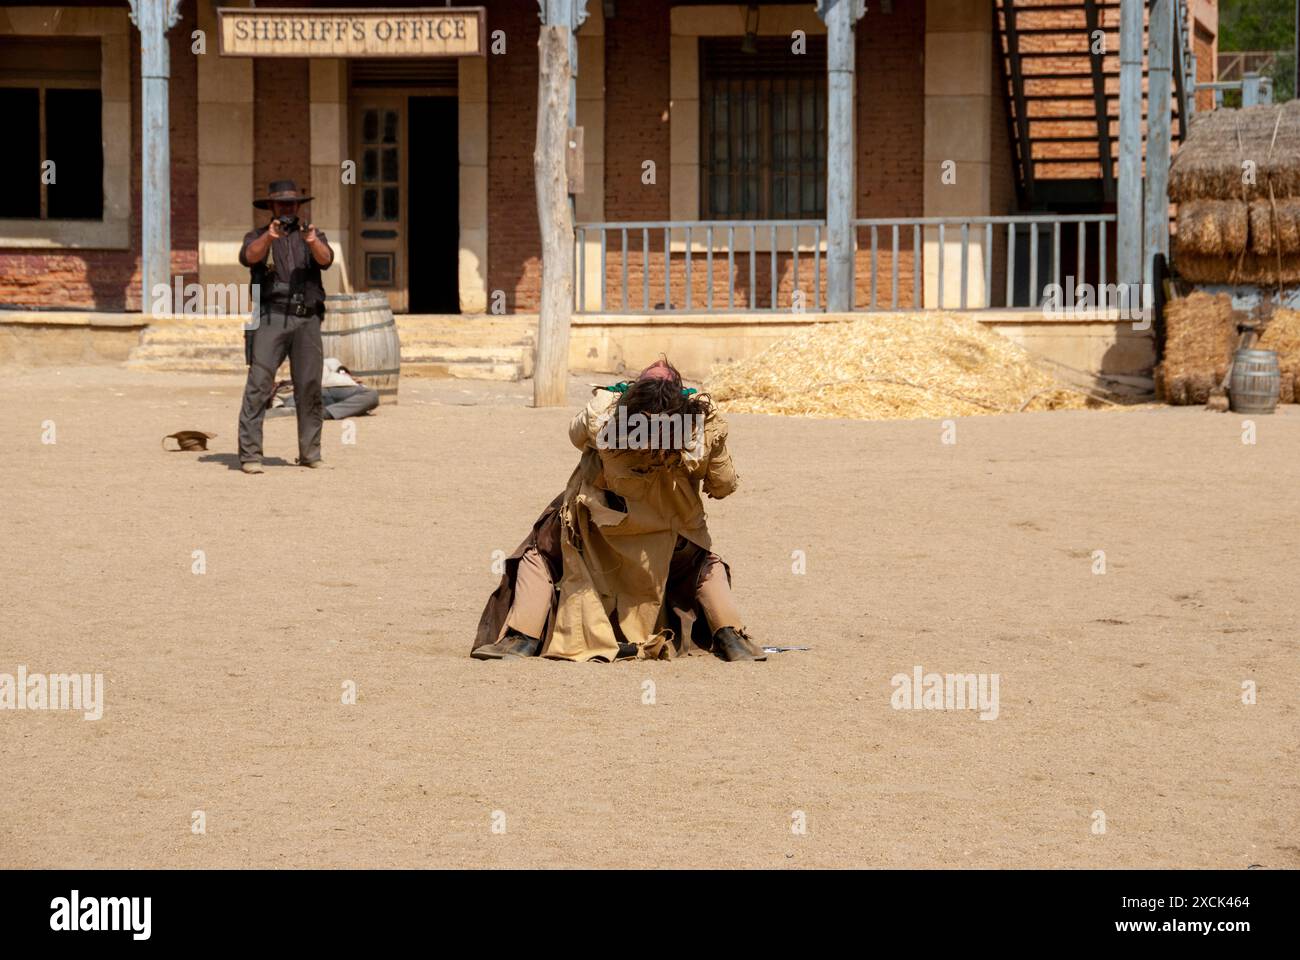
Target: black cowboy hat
x=283 y=191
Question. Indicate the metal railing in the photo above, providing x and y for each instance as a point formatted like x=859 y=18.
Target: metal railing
x=712 y=266
x=1255 y=89
x=692 y=246
x=934 y=237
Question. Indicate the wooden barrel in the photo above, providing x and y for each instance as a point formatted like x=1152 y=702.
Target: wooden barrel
x=1255 y=382
x=359 y=330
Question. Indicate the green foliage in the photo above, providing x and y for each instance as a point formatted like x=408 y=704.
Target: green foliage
x=1262 y=25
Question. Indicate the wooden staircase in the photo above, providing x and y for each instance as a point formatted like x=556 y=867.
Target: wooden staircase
x=1061 y=64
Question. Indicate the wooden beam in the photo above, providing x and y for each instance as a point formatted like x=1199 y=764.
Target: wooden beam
x=1159 y=90
x=841 y=186
x=154 y=18
x=554 y=217
x=1129 y=248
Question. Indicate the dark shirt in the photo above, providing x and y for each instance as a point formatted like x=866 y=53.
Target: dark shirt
x=291 y=261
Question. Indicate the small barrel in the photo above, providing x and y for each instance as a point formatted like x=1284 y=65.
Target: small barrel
x=1255 y=382
x=359 y=330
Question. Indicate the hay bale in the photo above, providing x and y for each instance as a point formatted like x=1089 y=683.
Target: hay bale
x=1282 y=334
x=1252 y=268
x=891 y=366
x=1209 y=164
x=1212 y=227
x=1274 y=222
x=1200 y=334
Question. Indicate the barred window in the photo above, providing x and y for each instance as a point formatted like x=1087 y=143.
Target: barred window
x=762 y=129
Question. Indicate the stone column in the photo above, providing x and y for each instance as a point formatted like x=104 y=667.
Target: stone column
x=225 y=128
x=472 y=140
x=959 y=87
x=331 y=210
x=589 y=206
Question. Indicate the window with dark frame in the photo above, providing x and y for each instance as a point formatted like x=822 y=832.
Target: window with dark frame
x=762 y=130
x=53 y=108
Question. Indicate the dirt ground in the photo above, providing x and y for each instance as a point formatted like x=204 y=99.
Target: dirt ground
x=1119 y=692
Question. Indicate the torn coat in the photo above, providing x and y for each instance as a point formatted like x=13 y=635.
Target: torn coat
x=609 y=543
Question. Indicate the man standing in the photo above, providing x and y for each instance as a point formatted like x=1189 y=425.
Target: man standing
x=292 y=303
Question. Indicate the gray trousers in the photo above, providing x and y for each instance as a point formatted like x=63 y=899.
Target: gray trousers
x=344 y=402
x=280 y=335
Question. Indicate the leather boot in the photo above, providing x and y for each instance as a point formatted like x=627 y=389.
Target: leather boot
x=732 y=644
x=513 y=644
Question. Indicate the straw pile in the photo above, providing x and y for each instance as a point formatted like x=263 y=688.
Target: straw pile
x=892 y=366
x=1236 y=181
x=1200 y=334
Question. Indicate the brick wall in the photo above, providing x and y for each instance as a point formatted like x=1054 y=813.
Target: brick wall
x=636 y=111
x=281 y=126
x=891 y=129
x=1002 y=175
x=890 y=108
x=514 y=241
x=110 y=279
x=1203 y=44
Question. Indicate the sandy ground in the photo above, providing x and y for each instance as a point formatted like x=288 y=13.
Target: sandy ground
x=1119 y=693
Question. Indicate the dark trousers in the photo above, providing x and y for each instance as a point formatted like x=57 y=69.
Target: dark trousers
x=277 y=336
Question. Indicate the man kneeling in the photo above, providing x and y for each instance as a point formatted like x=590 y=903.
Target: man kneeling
x=620 y=564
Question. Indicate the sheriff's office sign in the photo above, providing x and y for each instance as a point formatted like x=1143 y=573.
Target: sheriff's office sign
x=411 y=32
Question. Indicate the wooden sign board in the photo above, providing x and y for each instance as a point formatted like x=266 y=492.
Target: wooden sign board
x=388 y=32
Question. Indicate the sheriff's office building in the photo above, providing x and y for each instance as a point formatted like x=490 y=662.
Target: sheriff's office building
x=972 y=149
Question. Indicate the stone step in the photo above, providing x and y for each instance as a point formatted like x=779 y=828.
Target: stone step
x=465 y=370
x=472 y=348
x=177 y=334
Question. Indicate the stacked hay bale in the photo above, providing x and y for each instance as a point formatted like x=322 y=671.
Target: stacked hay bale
x=1282 y=334
x=1236 y=181
x=1200 y=332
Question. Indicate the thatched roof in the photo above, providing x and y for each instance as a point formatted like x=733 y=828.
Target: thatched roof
x=1209 y=164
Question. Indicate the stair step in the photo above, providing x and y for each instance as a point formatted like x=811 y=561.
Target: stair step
x=465 y=370
x=471 y=347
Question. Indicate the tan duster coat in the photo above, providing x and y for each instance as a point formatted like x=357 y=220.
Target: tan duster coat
x=616 y=556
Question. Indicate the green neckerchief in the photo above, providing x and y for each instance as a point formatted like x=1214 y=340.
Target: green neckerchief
x=623 y=385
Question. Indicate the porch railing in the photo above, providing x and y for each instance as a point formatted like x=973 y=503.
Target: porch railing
x=713 y=266
x=671 y=254
x=948 y=244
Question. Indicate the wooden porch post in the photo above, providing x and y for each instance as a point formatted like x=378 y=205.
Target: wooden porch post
x=1129 y=248
x=556 y=113
x=1160 y=59
x=154 y=18
x=840 y=17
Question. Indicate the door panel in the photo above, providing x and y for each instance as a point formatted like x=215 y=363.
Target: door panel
x=379 y=122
